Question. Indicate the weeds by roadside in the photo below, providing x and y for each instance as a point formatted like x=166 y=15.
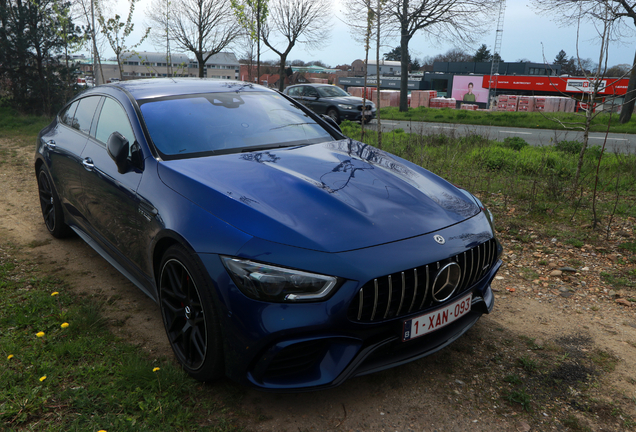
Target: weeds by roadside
x=535 y=120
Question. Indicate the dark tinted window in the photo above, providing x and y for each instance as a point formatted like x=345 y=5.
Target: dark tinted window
x=309 y=91
x=228 y=122
x=113 y=118
x=85 y=113
x=68 y=115
x=332 y=91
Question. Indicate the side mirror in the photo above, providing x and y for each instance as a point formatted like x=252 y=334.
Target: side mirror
x=118 y=148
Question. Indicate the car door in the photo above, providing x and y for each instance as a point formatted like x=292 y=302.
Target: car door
x=312 y=100
x=65 y=144
x=111 y=202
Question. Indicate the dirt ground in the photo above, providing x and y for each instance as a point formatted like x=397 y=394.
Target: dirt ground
x=557 y=353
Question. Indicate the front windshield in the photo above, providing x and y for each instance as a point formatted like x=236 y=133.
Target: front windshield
x=215 y=123
x=331 y=91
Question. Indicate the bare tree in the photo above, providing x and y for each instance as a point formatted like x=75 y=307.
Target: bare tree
x=160 y=34
x=251 y=14
x=202 y=27
x=117 y=31
x=453 y=20
x=623 y=17
x=299 y=21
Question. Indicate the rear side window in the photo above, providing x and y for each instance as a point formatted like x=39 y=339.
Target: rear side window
x=310 y=92
x=113 y=118
x=85 y=113
x=67 y=116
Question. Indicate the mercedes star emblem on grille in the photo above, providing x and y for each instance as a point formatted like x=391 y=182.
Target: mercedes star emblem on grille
x=446 y=281
x=439 y=239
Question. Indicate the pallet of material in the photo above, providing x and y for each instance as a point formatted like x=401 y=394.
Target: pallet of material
x=422 y=98
x=359 y=91
x=442 y=102
x=387 y=98
x=547 y=103
x=526 y=104
x=470 y=107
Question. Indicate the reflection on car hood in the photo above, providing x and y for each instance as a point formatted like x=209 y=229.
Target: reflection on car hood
x=331 y=197
x=348 y=100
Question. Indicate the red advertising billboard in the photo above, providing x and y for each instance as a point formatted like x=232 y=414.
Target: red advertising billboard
x=541 y=84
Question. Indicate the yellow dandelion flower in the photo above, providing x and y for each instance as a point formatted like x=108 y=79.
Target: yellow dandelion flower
x=101 y=430
x=64 y=325
x=156 y=369
x=39 y=334
x=10 y=356
x=54 y=293
x=43 y=378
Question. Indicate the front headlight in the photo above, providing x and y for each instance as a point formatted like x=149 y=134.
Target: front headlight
x=276 y=284
x=345 y=107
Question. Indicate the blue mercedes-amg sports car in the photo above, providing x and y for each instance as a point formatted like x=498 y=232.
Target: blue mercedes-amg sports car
x=281 y=253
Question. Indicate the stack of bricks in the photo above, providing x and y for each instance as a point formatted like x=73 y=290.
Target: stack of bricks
x=567 y=104
x=441 y=102
x=526 y=104
x=318 y=80
x=359 y=91
x=513 y=100
x=470 y=107
x=547 y=103
x=422 y=98
x=387 y=98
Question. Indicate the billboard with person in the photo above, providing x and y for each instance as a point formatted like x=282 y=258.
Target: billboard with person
x=468 y=88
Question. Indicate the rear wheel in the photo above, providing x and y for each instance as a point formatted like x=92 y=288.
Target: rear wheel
x=189 y=315
x=333 y=113
x=52 y=211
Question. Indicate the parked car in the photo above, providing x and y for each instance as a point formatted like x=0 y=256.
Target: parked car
x=332 y=101
x=280 y=252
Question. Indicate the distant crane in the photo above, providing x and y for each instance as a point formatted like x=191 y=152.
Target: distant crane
x=494 y=67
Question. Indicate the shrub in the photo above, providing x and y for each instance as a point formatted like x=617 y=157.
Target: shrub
x=572 y=147
x=515 y=143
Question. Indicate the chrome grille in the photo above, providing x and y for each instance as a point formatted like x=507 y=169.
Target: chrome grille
x=409 y=291
x=368 y=108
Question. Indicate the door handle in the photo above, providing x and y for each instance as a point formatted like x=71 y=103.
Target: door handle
x=50 y=144
x=88 y=164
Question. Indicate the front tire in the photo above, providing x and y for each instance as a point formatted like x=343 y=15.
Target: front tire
x=52 y=211
x=189 y=315
x=333 y=113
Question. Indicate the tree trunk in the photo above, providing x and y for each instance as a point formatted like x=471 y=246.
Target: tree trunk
x=630 y=96
x=281 y=73
x=201 y=64
x=404 y=78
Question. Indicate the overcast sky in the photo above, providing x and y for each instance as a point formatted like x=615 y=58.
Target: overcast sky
x=526 y=35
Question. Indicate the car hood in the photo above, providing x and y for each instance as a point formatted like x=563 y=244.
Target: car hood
x=349 y=100
x=331 y=197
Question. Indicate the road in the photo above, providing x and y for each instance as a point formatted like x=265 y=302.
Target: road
x=622 y=143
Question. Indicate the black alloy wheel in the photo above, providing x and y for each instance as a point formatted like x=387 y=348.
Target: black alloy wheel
x=51 y=208
x=189 y=316
x=333 y=113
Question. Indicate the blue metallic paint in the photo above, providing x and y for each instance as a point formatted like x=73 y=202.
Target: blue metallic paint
x=340 y=208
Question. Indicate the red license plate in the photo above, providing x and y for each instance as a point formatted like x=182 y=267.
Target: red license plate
x=437 y=319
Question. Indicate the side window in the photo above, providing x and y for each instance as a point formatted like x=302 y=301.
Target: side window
x=85 y=113
x=113 y=118
x=68 y=115
x=310 y=92
x=293 y=91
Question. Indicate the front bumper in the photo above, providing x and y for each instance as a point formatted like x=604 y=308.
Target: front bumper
x=355 y=115
x=311 y=346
